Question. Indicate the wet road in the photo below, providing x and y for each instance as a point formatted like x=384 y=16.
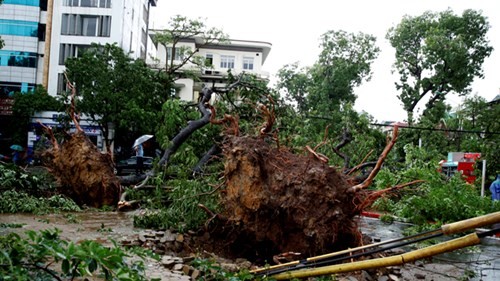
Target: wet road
x=100 y=226
x=483 y=260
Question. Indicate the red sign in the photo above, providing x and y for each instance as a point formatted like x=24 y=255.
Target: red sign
x=471 y=155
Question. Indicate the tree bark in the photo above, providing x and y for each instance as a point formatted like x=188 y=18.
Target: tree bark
x=192 y=126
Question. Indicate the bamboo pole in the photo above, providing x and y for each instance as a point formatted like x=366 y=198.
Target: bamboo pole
x=460 y=226
x=448 y=246
x=346 y=251
x=446 y=229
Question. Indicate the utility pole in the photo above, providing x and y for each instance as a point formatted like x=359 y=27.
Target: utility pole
x=483 y=178
x=48 y=37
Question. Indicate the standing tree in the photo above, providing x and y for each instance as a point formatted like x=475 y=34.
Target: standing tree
x=294 y=83
x=479 y=115
x=343 y=64
x=115 y=90
x=181 y=30
x=25 y=106
x=324 y=93
x=438 y=53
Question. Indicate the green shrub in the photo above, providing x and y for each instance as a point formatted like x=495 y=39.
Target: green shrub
x=21 y=202
x=33 y=192
x=44 y=256
x=438 y=199
x=182 y=212
x=37 y=183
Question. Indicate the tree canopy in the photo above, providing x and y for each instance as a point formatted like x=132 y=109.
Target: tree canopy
x=438 y=53
x=115 y=90
x=343 y=63
x=181 y=30
x=323 y=96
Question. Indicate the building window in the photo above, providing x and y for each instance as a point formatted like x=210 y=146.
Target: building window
x=227 y=61
x=209 y=60
x=89 y=25
x=61 y=83
x=88 y=3
x=143 y=53
x=18 y=28
x=70 y=51
x=179 y=56
x=7 y=89
x=144 y=37
x=145 y=14
x=35 y=3
x=248 y=63
x=86 y=25
x=41 y=32
x=43 y=5
x=15 y=58
x=104 y=26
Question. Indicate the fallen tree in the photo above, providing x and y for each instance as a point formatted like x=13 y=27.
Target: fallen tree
x=84 y=173
x=276 y=201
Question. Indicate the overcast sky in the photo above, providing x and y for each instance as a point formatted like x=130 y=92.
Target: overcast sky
x=294 y=28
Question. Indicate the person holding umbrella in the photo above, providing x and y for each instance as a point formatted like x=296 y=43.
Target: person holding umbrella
x=16 y=155
x=139 y=153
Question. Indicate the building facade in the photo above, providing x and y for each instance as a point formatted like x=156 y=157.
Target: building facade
x=22 y=31
x=78 y=23
x=40 y=35
x=236 y=56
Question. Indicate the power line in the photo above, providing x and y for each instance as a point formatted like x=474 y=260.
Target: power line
x=438 y=129
x=415 y=128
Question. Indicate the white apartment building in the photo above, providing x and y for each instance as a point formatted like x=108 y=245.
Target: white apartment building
x=236 y=55
x=78 y=23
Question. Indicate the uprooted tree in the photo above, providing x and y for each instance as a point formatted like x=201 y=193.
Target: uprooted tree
x=274 y=200
x=84 y=173
x=277 y=201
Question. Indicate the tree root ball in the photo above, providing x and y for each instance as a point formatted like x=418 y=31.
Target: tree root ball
x=279 y=201
x=83 y=172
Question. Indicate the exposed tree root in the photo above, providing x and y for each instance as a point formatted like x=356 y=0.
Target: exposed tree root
x=279 y=202
x=83 y=172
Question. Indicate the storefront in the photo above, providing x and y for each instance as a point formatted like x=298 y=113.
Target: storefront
x=55 y=120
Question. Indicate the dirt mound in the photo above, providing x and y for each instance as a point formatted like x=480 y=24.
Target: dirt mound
x=278 y=202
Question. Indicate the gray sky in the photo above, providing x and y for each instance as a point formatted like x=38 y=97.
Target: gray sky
x=294 y=28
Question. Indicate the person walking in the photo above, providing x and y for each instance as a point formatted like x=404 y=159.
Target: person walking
x=495 y=196
x=495 y=189
x=139 y=154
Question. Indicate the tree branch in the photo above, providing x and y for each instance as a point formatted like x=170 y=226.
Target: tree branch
x=346 y=138
x=72 y=108
x=380 y=161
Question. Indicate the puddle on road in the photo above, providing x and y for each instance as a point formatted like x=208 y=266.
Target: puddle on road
x=101 y=226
